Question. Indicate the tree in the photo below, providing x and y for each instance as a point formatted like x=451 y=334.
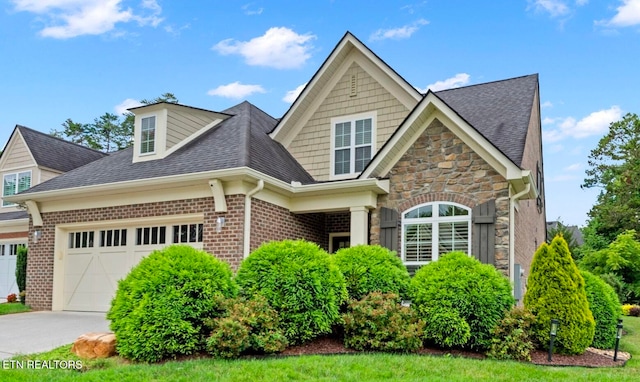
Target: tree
x=614 y=166
x=556 y=290
x=109 y=132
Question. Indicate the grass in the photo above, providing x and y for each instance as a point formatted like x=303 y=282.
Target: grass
x=13 y=307
x=360 y=367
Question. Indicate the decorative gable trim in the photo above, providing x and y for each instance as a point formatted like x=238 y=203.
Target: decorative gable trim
x=429 y=109
x=348 y=51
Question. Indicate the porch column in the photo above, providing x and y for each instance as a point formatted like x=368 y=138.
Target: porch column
x=359 y=225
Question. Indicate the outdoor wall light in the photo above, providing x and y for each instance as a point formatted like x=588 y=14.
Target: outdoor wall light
x=618 y=336
x=37 y=234
x=553 y=332
x=219 y=223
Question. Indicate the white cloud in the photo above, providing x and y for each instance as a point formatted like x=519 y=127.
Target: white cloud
x=595 y=123
x=628 y=15
x=582 y=2
x=398 y=33
x=293 y=94
x=554 y=8
x=236 y=90
x=546 y=104
x=456 y=81
x=126 y=104
x=72 y=18
x=279 y=48
x=573 y=167
x=562 y=178
x=251 y=11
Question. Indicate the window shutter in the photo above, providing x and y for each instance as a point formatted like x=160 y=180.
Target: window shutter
x=389 y=228
x=483 y=237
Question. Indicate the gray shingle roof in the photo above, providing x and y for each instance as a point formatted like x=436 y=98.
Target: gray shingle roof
x=55 y=153
x=6 y=216
x=500 y=111
x=239 y=141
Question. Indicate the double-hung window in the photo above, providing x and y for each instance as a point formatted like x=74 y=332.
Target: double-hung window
x=148 y=135
x=353 y=144
x=433 y=229
x=15 y=183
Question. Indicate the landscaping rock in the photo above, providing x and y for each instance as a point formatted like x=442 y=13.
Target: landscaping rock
x=95 y=345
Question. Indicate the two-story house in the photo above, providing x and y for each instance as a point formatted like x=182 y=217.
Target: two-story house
x=29 y=158
x=360 y=157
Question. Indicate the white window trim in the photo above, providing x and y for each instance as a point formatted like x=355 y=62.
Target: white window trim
x=155 y=135
x=336 y=234
x=434 y=220
x=17 y=175
x=373 y=115
x=160 y=138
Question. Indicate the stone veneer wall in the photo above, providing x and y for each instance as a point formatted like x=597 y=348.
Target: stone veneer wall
x=440 y=167
x=271 y=222
x=226 y=245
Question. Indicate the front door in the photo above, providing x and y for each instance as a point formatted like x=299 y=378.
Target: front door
x=339 y=242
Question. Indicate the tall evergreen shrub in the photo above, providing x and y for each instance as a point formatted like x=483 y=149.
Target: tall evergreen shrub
x=21 y=272
x=555 y=290
x=606 y=309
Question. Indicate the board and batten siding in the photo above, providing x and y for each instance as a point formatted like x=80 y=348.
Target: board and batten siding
x=311 y=147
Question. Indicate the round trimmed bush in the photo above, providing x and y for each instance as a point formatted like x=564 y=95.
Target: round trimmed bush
x=299 y=280
x=160 y=306
x=605 y=307
x=372 y=268
x=458 y=288
x=555 y=290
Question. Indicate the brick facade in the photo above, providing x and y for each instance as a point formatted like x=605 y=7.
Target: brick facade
x=440 y=167
x=271 y=222
x=226 y=245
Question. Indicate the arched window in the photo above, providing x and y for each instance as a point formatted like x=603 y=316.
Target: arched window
x=432 y=229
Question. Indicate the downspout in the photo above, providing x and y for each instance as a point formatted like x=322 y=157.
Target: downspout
x=247 y=216
x=512 y=230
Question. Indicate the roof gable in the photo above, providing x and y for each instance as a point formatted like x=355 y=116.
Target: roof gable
x=16 y=153
x=346 y=52
x=53 y=153
x=504 y=156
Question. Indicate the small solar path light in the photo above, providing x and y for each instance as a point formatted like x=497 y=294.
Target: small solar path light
x=618 y=336
x=553 y=332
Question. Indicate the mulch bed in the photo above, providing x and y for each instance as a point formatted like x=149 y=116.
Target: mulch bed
x=590 y=358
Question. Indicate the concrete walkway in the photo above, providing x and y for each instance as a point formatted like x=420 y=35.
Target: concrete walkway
x=34 y=332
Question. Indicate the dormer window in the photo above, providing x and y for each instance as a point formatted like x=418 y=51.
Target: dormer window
x=353 y=144
x=15 y=183
x=148 y=135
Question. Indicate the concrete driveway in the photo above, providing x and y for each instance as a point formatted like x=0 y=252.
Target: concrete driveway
x=33 y=332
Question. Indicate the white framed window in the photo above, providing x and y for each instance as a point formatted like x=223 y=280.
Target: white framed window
x=352 y=144
x=82 y=239
x=433 y=229
x=15 y=183
x=187 y=233
x=151 y=235
x=113 y=238
x=148 y=135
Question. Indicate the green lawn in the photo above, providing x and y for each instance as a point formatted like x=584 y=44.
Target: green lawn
x=14 y=307
x=362 y=367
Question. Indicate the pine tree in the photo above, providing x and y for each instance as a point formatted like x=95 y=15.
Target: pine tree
x=556 y=290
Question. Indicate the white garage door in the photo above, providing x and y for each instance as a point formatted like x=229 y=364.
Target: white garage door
x=8 y=256
x=95 y=260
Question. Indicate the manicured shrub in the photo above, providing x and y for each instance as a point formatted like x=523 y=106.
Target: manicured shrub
x=21 y=272
x=446 y=328
x=634 y=311
x=160 y=306
x=605 y=307
x=300 y=281
x=512 y=337
x=555 y=290
x=459 y=288
x=247 y=326
x=626 y=309
x=379 y=322
x=372 y=268
x=12 y=297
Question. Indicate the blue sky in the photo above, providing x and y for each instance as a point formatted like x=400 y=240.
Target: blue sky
x=78 y=59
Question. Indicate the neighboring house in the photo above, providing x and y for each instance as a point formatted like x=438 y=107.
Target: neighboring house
x=29 y=158
x=360 y=157
x=576 y=234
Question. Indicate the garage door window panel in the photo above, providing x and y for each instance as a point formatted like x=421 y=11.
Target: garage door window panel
x=113 y=238
x=81 y=239
x=187 y=233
